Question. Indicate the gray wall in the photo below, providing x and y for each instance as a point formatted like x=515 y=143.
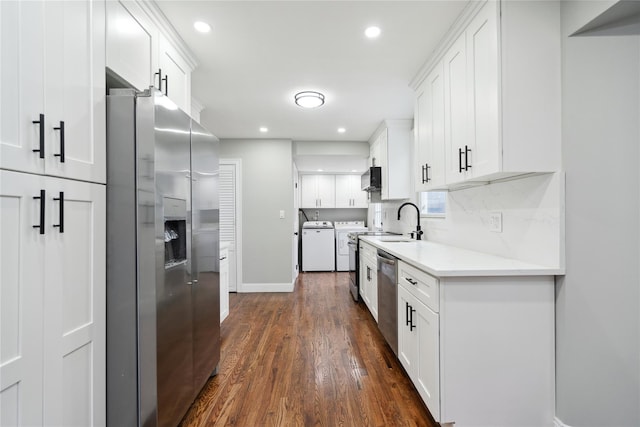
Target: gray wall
x=598 y=301
x=267 y=188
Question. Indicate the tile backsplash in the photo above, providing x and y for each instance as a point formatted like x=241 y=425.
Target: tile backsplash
x=532 y=211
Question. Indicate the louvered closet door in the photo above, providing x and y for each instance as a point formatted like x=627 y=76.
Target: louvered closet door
x=21 y=302
x=228 y=224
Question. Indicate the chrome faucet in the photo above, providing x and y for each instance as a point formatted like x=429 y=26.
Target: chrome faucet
x=418 y=231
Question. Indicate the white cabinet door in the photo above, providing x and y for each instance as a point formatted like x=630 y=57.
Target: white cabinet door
x=483 y=70
x=309 y=191
x=224 y=284
x=373 y=290
x=131 y=43
x=53 y=301
x=327 y=191
x=344 y=198
x=21 y=299
x=407 y=339
x=75 y=131
x=22 y=86
x=427 y=366
x=435 y=170
x=421 y=139
x=459 y=152
x=359 y=197
x=176 y=72
x=74 y=304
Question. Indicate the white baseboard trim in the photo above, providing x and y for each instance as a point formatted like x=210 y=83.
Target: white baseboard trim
x=558 y=423
x=266 y=287
x=224 y=315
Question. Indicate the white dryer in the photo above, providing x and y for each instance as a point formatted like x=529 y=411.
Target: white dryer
x=343 y=228
x=318 y=246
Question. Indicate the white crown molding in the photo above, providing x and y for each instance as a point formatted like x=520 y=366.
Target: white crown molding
x=461 y=22
x=162 y=22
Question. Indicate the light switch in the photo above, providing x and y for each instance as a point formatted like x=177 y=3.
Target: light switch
x=281 y=214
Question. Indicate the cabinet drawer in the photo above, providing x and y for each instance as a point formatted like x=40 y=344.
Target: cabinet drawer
x=422 y=285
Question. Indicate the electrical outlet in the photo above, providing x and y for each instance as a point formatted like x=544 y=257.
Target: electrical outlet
x=495 y=222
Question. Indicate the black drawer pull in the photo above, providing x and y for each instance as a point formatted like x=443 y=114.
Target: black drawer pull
x=41 y=149
x=413 y=282
x=61 y=129
x=60 y=198
x=41 y=198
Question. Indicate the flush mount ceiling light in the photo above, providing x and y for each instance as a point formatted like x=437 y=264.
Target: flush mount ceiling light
x=372 y=32
x=309 y=99
x=203 y=27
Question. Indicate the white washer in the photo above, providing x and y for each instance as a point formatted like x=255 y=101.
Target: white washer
x=343 y=228
x=318 y=246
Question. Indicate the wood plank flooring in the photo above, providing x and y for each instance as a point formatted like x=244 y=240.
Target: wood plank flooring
x=313 y=357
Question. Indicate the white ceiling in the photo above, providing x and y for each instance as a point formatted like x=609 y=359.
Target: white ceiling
x=260 y=53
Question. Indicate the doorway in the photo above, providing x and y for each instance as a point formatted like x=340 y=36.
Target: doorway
x=231 y=217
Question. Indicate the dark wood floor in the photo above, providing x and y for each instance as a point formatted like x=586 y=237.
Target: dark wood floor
x=308 y=358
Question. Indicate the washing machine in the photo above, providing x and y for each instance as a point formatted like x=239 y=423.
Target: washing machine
x=343 y=228
x=318 y=246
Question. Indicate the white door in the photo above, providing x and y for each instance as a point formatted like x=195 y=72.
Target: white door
x=231 y=217
x=22 y=275
x=75 y=90
x=22 y=86
x=75 y=300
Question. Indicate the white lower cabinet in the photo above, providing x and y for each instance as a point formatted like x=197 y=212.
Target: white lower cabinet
x=52 y=293
x=224 y=282
x=479 y=350
x=369 y=278
x=418 y=347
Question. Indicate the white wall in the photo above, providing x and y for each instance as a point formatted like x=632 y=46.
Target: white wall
x=267 y=179
x=598 y=301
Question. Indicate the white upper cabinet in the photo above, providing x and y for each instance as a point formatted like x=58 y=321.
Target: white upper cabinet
x=429 y=142
x=141 y=50
x=349 y=193
x=131 y=43
x=391 y=150
x=53 y=89
x=501 y=96
x=318 y=191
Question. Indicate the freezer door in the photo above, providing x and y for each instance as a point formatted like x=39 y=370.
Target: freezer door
x=173 y=261
x=205 y=253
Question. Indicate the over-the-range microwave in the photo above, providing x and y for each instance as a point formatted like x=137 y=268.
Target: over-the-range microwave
x=372 y=179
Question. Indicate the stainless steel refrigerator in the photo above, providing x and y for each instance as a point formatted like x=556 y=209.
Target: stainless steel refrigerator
x=163 y=297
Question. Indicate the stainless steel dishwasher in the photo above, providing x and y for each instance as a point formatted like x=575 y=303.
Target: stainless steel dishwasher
x=387 y=298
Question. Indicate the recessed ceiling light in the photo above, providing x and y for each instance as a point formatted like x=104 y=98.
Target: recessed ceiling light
x=264 y=129
x=320 y=170
x=372 y=32
x=309 y=99
x=354 y=170
x=341 y=130
x=203 y=27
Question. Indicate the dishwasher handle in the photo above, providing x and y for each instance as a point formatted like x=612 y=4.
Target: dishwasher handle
x=386 y=258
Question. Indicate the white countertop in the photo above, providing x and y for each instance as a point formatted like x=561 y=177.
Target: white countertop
x=448 y=261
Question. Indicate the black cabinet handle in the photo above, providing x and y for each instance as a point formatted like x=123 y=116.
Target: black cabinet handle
x=413 y=282
x=159 y=74
x=467 y=150
x=427 y=171
x=60 y=198
x=223 y=258
x=411 y=326
x=41 y=123
x=166 y=85
x=422 y=177
x=406 y=313
x=41 y=198
x=61 y=129
x=460 y=168
x=368 y=273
